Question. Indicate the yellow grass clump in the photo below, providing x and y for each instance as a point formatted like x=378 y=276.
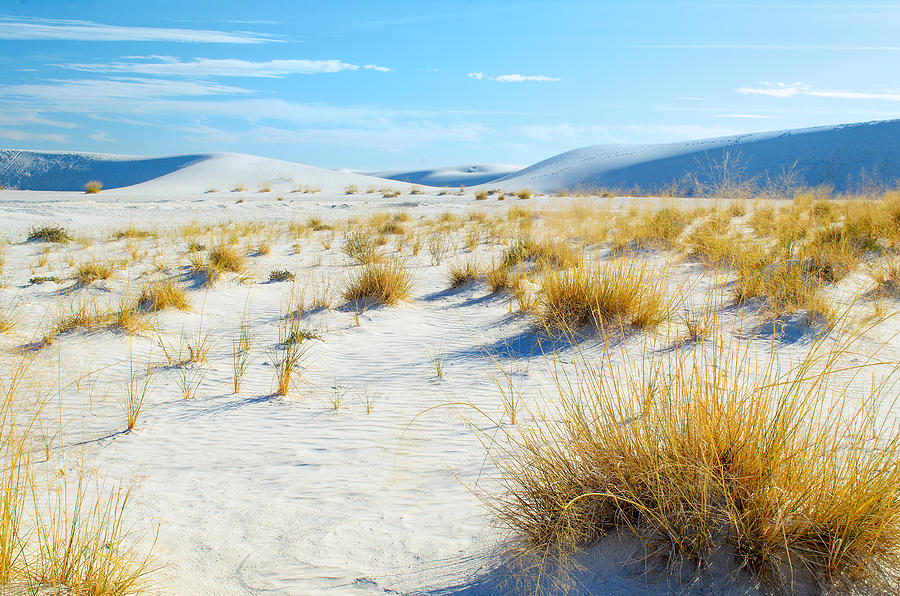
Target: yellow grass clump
x=625 y=291
x=386 y=282
x=92 y=187
x=463 y=272
x=92 y=271
x=716 y=454
x=161 y=295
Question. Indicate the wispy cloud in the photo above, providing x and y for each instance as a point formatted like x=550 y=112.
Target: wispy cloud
x=74 y=30
x=786 y=90
x=227 y=67
x=14 y=134
x=745 y=116
x=513 y=78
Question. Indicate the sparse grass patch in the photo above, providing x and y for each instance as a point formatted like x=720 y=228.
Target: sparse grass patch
x=524 y=194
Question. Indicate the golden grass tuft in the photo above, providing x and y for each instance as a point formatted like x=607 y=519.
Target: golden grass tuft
x=463 y=272
x=386 y=282
x=92 y=187
x=624 y=291
x=91 y=271
x=715 y=454
x=224 y=257
x=164 y=294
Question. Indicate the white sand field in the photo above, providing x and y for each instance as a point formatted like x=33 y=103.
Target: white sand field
x=354 y=482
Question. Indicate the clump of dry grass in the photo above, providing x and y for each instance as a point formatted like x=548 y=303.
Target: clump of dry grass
x=360 y=247
x=132 y=231
x=92 y=187
x=783 y=284
x=280 y=275
x=545 y=254
x=224 y=257
x=49 y=233
x=524 y=194
x=92 y=271
x=163 y=294
x=624 y=291
x=716 y=454
x=387 y=283
x=463 y=272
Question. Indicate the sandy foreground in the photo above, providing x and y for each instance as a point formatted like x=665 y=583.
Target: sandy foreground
x=353 y=483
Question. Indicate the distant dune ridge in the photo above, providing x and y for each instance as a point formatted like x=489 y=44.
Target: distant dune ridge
x=845 y=156
x=467 y=175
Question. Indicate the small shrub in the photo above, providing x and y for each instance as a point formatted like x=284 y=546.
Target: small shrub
x=481 y=195
x=49 y=233
x=92 y=187
x=524 y=194
x=280 y=275
x=415 y=190
x=351 y=189
x=264 y=187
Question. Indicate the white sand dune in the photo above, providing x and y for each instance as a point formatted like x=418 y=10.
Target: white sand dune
x=844 y=156
x=466 y=175
x=69 y=171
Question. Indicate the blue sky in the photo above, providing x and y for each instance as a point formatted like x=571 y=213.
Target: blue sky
x=377 y=85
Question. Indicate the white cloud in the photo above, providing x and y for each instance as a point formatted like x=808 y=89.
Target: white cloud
x=517 y=78
x=34 y=28
x=745 y=116
x=227 y=67
x=65 y=95
x=785 y=90
x=102 y=137
x=512 y=78
x=21 y=135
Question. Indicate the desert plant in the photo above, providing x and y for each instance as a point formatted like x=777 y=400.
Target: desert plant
x=524 y=194
x=135 y=393
x=280 y=275
x=624 y=291
x=378 y=283
x=92 y=271
x=49 y=233
x=481 y=195
x=92 y=187
x=189 y=380
x=224 y=257
x=714 y=452
x=351 y=189
x=463 y=272
x=163 y=294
